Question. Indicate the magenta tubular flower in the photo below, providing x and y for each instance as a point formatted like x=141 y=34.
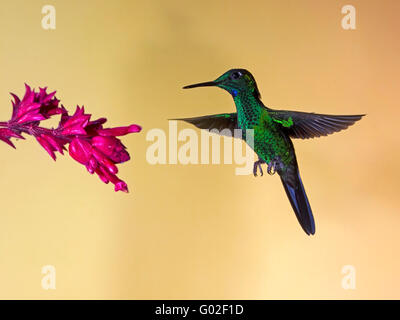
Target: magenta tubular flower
x=75 y=125
x=47 y=146
x=80 y=150
x=95 y=161
x=112 y=148
x=6 y=135
x=97 y=148
x=119 y=131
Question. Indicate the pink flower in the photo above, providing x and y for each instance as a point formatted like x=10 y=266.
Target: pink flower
x=6 y=134
x=89 y=155
x=75 y=125
x=112 y=148
x=97 y=148
x=119 y=131
x=34 y=106
x=51 y=144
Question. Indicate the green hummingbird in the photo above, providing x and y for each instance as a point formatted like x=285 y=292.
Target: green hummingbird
x=272 y=131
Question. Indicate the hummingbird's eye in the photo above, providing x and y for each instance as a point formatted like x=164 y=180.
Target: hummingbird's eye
x=236 y=75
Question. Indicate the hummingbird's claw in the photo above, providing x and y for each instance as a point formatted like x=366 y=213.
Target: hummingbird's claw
x=257 y=165
x=273 y=166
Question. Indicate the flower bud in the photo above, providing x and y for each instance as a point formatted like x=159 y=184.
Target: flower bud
x=80 y=150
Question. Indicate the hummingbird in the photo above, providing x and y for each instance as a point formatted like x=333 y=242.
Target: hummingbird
x=272 y=132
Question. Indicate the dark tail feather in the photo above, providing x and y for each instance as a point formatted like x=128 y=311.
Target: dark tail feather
x=298 y=199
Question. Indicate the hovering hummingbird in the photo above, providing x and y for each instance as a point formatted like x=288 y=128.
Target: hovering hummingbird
x=273 y=130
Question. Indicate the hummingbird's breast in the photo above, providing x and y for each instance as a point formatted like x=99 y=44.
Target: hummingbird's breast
x=269 y=141
x=248 y=110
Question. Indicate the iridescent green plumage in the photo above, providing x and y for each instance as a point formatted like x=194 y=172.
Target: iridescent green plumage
x=272 y=130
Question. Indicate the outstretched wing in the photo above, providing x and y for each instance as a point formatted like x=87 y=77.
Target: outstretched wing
x=216 y=122
x=305 y=125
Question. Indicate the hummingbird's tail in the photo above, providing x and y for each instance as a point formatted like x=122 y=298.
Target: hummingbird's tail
x=295 y=191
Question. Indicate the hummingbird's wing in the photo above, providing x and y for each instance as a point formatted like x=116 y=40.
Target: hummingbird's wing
x=305 y=125
x=215 y=122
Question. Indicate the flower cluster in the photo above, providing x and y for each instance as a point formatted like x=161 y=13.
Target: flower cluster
x=87 y=142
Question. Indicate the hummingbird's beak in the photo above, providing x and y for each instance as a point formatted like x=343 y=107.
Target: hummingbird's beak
x=203 y=84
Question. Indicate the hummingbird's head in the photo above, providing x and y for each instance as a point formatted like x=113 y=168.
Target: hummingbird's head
x=234 y=81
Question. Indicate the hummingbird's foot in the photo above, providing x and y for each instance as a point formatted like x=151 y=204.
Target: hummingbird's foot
x=273 y=166
x=257 y=165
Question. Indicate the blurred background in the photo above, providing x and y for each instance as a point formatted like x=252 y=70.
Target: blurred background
x=200 y=231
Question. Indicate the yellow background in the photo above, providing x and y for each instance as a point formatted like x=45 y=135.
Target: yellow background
x=200 y=231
